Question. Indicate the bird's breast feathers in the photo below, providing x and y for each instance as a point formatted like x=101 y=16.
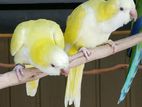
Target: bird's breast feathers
x=91 y=30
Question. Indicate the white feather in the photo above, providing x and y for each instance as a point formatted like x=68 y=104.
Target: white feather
x=98 y=33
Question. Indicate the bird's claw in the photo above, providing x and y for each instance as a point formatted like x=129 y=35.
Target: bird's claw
x=19 y=71
x=112 y=44
x=86 y=52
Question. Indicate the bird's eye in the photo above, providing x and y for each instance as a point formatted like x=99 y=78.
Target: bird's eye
x=52 y=65
x=121 y=8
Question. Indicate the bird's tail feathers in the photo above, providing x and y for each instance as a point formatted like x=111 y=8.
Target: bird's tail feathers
x=31 y=88
x=73 y=88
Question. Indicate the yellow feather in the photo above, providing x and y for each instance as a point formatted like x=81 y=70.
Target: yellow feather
x=74 y=26
x=18 y=38
x=90 y=25
x=75 y=74
x=74 y=85
x=31 y=87
x=33 y=42
x=39 y=57
x=105 y=10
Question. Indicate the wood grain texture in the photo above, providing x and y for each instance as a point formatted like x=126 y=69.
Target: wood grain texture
x=89 y=87
x=116 y=33
x=111 y=83
x=136 y=91
x=4 y=94
x=52 y=91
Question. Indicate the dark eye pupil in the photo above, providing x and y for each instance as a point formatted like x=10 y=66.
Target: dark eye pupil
x=52 y=65
x=121 y=8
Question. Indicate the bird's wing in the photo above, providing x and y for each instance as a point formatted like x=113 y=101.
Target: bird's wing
x=18 y=38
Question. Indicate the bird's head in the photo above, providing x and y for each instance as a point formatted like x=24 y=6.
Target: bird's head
x=120 y=13
x=58 y=62
x=128 y=9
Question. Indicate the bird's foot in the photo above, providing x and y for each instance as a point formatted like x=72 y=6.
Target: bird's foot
x=19 y=71
x=86 y=52
x=112 y=44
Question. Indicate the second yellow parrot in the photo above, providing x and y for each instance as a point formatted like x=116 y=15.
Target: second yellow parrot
x=88 y=26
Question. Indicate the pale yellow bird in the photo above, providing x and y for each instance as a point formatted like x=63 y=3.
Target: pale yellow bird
x=88 y=26
x=39 y=43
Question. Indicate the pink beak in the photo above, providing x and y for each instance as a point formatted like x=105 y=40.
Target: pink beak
x=64 y=72
x=133 y=14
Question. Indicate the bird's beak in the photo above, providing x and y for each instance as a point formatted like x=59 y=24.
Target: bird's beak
x=133 y=14
x=64 y=72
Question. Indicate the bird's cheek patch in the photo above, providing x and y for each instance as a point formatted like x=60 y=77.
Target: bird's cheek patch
x=106 y=12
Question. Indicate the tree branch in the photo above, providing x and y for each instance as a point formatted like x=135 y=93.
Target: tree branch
x=10 y=78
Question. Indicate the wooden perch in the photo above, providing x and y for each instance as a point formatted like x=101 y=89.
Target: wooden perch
x=122 y=32
x=110 y=69
x=10 y=78
x=7 y=65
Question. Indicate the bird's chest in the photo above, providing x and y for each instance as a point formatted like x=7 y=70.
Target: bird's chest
x=91 y=34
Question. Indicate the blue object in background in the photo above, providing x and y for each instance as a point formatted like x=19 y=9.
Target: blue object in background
x=136 y=28
x=135 y=53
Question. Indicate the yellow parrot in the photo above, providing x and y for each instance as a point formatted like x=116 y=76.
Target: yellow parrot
x=88 y=26
x=39 y=43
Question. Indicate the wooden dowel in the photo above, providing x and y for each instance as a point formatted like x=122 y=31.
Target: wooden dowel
x=121 y=33
x=116 y=33
x=9 y=79
x=5 y=35
x=7 y=65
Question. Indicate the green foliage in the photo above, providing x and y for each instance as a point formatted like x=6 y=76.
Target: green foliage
x=139 y=7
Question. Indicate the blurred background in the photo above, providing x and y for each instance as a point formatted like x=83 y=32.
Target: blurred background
x=100 y=90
